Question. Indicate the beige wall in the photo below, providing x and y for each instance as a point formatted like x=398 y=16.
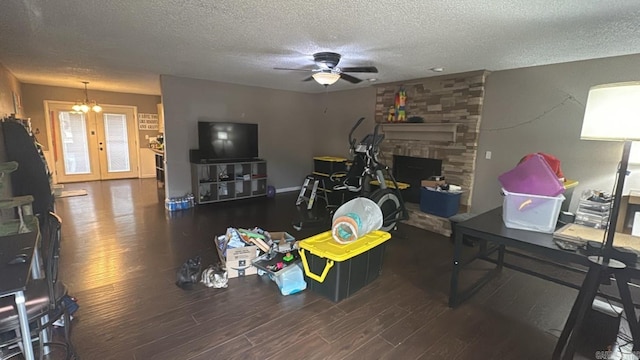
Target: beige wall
x=541 y=109
x=35 y=95
x=9 y=86
x=282 y=117
x=525 y=110
x=293 y=127
x=335 y=113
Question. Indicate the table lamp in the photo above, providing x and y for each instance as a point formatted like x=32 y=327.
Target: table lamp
x=613 y=114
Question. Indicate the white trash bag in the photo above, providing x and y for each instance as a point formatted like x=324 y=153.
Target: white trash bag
x=355 y=219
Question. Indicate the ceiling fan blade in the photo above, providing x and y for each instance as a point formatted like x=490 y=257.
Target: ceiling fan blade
x=308 y=79
x=364 y=69
x=349 y=78
x=305 y=70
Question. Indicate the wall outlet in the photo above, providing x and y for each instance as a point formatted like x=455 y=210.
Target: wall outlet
x=487 y=155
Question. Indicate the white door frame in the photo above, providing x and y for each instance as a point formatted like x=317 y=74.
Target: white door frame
x=50 y=148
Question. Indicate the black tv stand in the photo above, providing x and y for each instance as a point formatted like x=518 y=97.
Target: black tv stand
x=226 y=161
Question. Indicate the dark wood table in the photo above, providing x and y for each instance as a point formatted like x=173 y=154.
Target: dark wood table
x=489 y=228
x=15 y=277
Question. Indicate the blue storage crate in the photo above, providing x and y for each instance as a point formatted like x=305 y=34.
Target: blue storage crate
x=439 y=203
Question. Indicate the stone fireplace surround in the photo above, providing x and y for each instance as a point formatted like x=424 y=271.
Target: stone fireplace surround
x=451 y=107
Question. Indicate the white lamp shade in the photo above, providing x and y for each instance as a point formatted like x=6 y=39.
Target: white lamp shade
x=612 y=112
x=326 y=78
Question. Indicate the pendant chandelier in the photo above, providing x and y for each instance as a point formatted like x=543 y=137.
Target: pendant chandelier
x=86 y=105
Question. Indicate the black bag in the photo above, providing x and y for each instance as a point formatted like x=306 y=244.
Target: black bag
x=188 y=273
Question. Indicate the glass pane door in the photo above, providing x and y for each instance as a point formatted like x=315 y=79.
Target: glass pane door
x=75 y=147
x=117 y=143
x=93 y=146
x=73 y=139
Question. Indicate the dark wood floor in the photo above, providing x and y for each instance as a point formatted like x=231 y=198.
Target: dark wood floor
x=121 y=250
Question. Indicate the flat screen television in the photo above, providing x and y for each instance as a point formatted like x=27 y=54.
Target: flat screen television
x=227 y=141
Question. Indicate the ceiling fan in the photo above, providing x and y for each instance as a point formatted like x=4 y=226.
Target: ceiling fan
x=327 y=71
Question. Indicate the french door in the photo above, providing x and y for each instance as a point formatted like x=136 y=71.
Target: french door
x=93 y=146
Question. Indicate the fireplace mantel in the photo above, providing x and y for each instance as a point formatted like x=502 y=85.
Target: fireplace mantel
x=420 y=131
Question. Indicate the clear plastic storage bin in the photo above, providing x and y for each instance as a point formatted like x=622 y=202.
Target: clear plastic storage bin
x=531 y=212
x=595 y=207
x=591 y=220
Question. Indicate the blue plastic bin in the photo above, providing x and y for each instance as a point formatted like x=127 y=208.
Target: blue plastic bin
x=439 y=203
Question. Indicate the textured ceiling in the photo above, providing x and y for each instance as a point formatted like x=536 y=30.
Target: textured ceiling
x=124 y=45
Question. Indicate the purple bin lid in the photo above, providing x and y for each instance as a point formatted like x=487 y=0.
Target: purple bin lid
x=533 y=176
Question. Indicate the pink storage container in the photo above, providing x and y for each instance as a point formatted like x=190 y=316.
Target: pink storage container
x=533 y=176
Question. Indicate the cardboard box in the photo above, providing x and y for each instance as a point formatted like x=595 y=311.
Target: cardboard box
x=432 y=183
x=281 y=236
x=629 y=205
x=238 y=261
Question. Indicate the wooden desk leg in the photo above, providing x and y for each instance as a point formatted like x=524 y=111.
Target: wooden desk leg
x=457 y=254
x=482 y=248
x=501 y=257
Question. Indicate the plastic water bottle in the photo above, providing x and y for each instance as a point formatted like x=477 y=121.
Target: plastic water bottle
x=170 y=204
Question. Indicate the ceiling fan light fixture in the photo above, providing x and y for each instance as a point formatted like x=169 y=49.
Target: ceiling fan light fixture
x=326 y=78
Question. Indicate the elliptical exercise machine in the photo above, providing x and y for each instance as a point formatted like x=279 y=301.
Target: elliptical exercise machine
x=365 y=169
x=357 y=181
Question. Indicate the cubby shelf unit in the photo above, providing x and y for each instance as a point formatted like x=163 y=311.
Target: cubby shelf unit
x=223 y=181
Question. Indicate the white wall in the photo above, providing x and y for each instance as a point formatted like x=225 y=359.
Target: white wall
x=147 y=163
x=541 y=109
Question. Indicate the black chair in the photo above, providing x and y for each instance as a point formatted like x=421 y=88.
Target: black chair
x=43 y=297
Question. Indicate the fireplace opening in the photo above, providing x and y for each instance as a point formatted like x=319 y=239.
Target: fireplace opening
x=412 y=170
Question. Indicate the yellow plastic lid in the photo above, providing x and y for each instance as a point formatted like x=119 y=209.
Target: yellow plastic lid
x=330 y=158
x=324 y=246
x=390 y=185
x=568 y=184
